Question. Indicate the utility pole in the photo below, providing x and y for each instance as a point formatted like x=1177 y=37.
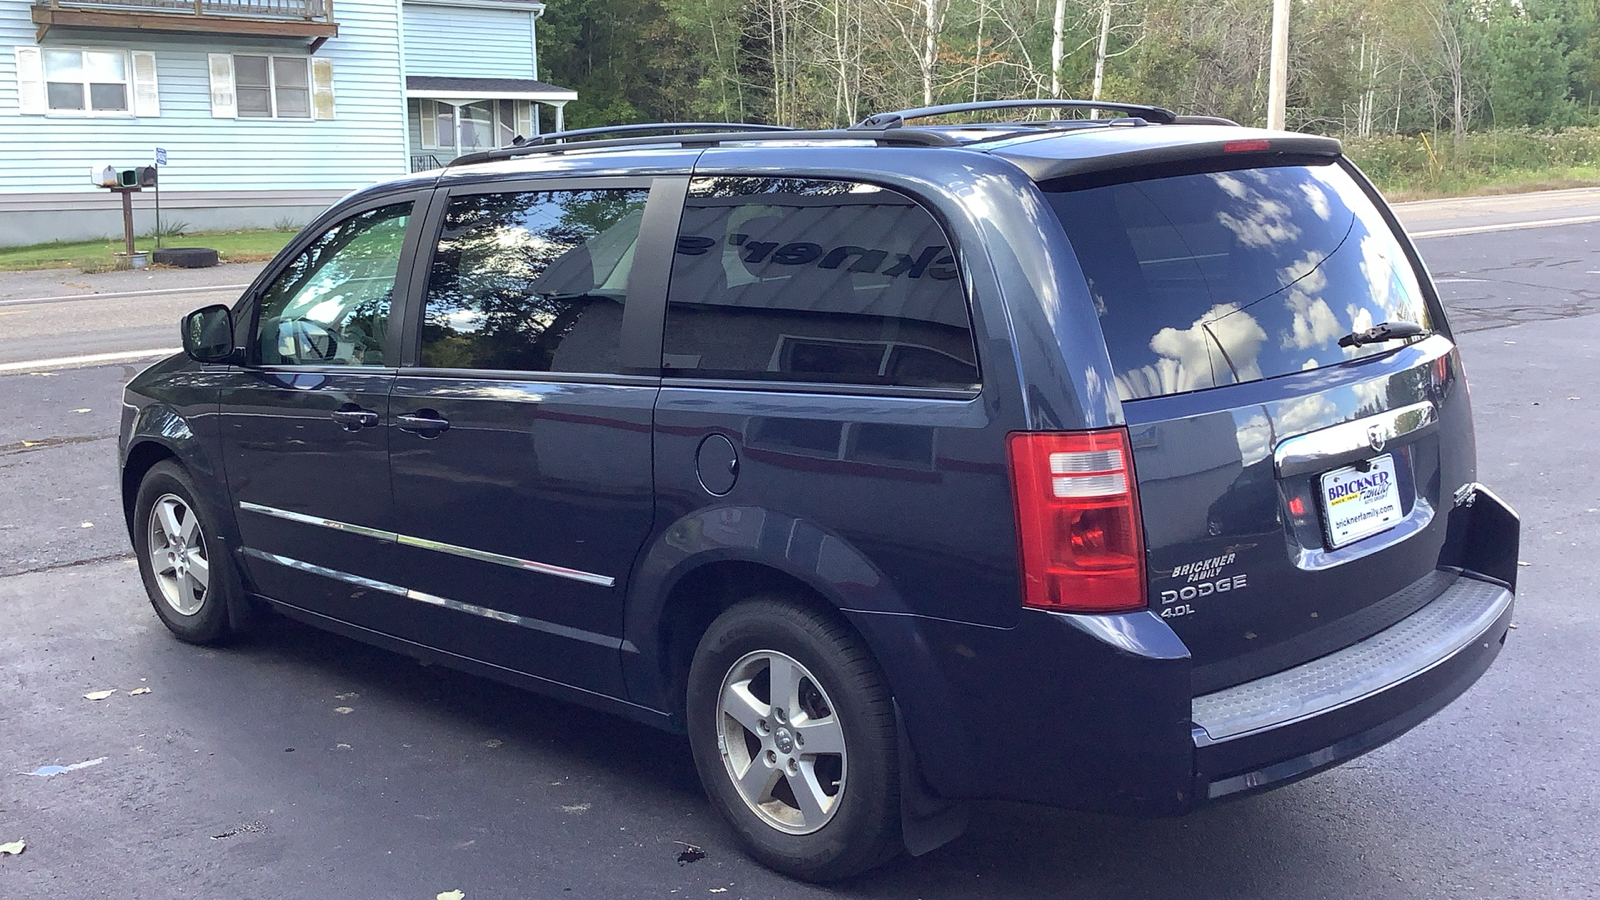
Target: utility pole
x=1278 y=81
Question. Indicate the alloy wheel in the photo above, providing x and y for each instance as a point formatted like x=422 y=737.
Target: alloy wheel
x=178 y=554
x=781 y=742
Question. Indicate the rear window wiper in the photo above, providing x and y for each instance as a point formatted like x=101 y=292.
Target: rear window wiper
x=1384 y=331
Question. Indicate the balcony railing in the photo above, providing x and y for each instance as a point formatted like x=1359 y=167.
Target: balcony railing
x=304 y=10
x=308 y=19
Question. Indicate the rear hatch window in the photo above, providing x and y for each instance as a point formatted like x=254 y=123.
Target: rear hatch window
x=1218 y=278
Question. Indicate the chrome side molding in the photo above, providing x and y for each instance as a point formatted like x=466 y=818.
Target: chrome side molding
x=394 y=537
x=1350 y=441
x=372 y=584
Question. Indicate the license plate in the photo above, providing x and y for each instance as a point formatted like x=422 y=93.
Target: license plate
x=1361 y=500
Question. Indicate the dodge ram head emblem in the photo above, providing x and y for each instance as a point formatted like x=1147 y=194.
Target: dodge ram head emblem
x=1377 y=436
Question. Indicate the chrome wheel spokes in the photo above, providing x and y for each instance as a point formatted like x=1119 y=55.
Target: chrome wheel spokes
x=178 y=554
x=781 y=741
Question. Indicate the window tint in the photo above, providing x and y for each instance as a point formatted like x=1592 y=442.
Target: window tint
x=817 y=281
x=1227 y=277
x=331 y=305
x=532 y=282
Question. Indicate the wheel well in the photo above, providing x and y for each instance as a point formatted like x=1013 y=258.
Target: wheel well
x=702 y=595
x=140 y=460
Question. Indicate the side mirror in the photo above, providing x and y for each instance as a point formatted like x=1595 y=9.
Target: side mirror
x=208 y=334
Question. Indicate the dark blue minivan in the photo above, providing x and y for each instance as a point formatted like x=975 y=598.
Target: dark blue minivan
x=1119 y=464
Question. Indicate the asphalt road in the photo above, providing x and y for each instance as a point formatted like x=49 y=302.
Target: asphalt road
x=302 y=765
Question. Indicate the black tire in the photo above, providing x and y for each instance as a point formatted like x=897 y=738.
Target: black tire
x=839 y=696
x=185 y=257
x=170 y=564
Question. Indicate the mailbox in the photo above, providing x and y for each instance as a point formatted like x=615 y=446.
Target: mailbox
x=113 y=177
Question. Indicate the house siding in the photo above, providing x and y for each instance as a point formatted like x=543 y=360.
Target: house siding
x=49 y=157
x=469 y=43
x=232 y=173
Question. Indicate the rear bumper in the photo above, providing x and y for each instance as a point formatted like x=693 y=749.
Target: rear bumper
x=1096 y=712
x=1300 y=721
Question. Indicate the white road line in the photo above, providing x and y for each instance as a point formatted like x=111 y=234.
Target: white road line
x=34 y=365
x=118 y=295
x=1506 y=226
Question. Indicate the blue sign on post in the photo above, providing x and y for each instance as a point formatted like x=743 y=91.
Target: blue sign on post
x=161 y=156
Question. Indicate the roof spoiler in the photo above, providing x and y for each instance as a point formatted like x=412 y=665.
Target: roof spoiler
x=1249 y=149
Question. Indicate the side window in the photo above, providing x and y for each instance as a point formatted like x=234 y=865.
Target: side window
x=532 y=282
x=815 y=281
x=331 y=305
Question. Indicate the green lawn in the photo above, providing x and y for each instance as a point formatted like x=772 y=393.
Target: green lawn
x=234 y=246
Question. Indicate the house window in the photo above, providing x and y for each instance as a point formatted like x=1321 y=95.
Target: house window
x=438 y=125
x=477 y=127
x=273 y=87
x=87 y=81
x=482 y=125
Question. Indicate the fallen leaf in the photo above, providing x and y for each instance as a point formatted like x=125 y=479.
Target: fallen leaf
x=137 y=691
x=451 y=895
x=1521 y=563
x=30 y=443
x=343 y=710
x=84 y=410
x=99 y=695
x=1512 y=625
x=85 y=524
x=14 y=848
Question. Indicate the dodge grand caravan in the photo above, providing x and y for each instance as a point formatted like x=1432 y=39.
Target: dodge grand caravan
x=1121 y=464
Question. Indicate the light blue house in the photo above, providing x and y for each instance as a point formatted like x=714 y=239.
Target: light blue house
x=268 y=110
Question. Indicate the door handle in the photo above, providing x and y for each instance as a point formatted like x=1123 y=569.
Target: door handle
x=426 y=423
x=355 y=419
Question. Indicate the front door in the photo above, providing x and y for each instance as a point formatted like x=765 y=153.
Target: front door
x=302 y=425
x=520 y=450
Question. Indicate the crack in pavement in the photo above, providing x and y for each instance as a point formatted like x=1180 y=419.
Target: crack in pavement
x=128 y=554
x=50 y=443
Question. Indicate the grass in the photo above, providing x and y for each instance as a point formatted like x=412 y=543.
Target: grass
x=1417 y=167
x=256 y=245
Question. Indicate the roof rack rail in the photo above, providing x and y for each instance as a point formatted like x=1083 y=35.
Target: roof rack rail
x=1206 y=120
x=645 y=127
x=543 y=142
x=896 y=119
x=557 y=143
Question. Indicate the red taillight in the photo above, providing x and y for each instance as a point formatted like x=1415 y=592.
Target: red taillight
x=1078 y=521
x=1251 y=146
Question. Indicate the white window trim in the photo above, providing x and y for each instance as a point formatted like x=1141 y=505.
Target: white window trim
x=272 y=86
x=129 y=85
